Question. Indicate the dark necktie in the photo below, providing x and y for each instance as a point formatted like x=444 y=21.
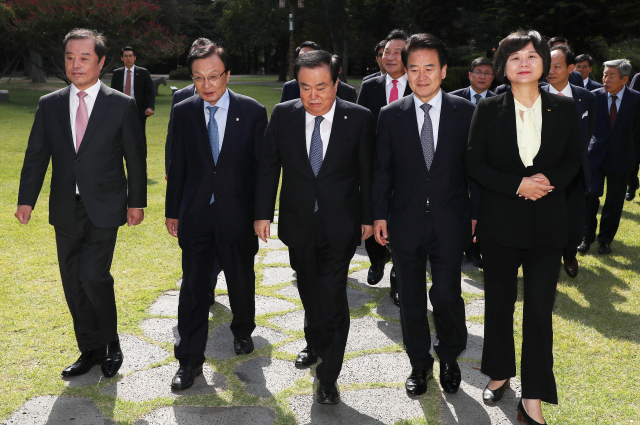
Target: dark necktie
x=426 y=136
x=127 y=85
x=213 y=138
x=315 y=151
x=477 y=97
x=613 y=112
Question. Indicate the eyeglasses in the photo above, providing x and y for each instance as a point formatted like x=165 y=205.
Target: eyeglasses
x=214 y=79
x=480 y=73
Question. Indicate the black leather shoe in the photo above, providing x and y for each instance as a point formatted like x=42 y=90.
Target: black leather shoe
x=604 y=248
x=328 y=393
x=474 y=257
x=416 y=383
x=493 y=396
x=112 y=359
x=450 y=377
x=306 y=358
x=583 y=248
x=394 y=288
x=395 y=297
x=85 y=362
x=376 y=271
x=630 y=195
x=571 y=267
x=523 y=416
x=185 y=377
x=243 y=344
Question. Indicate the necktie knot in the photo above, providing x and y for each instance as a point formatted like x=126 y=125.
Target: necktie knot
x=128 y=71
x=425 y=107
x=82 y=94
x=477 y=97
x=395 y=83
x=614 y=97
x=212 y=111
x=318 y=122
x=559 y=94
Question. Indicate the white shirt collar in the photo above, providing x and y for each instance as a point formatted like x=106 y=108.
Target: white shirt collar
x=619 y=94
x=130 y=68
x=436 y=102
x=565 y=91
x=585 y=81
x=91 y=91
x=402 y=80
x=473 y=93
x=328 y=116
x=222 y=103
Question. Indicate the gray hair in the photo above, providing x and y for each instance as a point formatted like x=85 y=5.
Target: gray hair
x=622 y=65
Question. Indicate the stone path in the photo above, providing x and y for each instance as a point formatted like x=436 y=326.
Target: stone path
x=264 y=387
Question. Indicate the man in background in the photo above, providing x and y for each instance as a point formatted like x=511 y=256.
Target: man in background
x=584 y=65
x=379 y=50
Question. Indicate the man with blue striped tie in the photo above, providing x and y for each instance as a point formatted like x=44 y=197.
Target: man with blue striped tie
x=216 y=140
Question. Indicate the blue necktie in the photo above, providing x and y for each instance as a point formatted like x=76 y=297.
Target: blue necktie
x=477 y=97
x=213 y=138
x=426 y=136
x=315 y=151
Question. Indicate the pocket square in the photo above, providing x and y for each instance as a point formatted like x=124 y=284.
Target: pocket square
x=585 y=114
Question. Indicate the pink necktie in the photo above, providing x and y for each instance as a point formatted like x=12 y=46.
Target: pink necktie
x=559 y=94
x=127 y=85
x=82 y=119
x=394 y=91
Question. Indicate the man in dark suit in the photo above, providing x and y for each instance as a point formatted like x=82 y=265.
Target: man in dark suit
x=324 y=146
x=584 y=65
x=481 y=77
x=379 y=50
x=420 y=188
x=634 y=182
x=562 y=64
x=374 y=94
x=612 y=153
x=291 y=89
x=87 y=130
x=216 y=141
x=136 y=83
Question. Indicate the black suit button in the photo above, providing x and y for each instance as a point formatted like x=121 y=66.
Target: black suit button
x=214 y=173
x=77 y=159
x=428 y=179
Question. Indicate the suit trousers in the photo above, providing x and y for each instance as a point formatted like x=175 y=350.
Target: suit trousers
x=575 y=193
x=85 y=253
x=375 y=251
x=540 y=268
x=445 y=295
x=322 y=284
x=634 y=182
x=613 y=203
x=199 y=253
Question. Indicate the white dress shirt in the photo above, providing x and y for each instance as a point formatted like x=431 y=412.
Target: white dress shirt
x=220 y=116
x=618 y=100
x=124 y=83
x=473 y=93
x=74 y=102
x=529 y=130
x=325 y=128
x=434 y=114
x=402 y=85
x=585 y=82
x=566 y=91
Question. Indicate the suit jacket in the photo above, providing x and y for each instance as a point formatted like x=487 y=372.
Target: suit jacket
x=178 y=97
x=594 y=85
x=113 y=133
x=575 y=78
x=618 y=144
x=370 y=76
x=193 y=177
x=373 y=95
x=291 y=90
x=402 y=184
x=635 y=82
x=585 y=103
x=493 y=160
x=465 y=93
x=143 y=90
x=342 y=187
x=503 y=88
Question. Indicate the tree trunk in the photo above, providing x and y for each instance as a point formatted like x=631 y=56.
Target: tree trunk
x=283 y=50
x=345 y=53
x=267 y=59
x=37 y=74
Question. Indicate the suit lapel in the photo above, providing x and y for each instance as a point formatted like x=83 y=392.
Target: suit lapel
x=447 y=117
x=381 y=92
x=467 y=94
x=339 y=130
x=407 y=90
x=64 y=115
x=603 y=106
x=231 y=127
x=549 y=123
x=408 y=121
x=100 y=110
x=624 y=107
x=298 y=133
x=201 y=131
x=506 y=117
x=581 y=105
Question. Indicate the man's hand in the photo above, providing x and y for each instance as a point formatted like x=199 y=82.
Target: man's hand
x=532 y=189
x=380 y=231
x=262 y=229
x=172 y=226
x=148 y=112
x=473 y=229
x=367 y=231
x=23 y=213
x=135 y=216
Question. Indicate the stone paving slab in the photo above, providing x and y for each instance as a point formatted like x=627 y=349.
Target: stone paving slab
x=387 y=308
x=220 y=342
x=179 y=415
x=274 y=257
x=467 y=407
x=360 y=256
x=273 y=228
x=138 y=354
x=475 y=339
x=163 y=330
x=271 y=244
x=264 y=376
x=50 y=410
x=274 y=275
x=370 y=407
x=264 y=304
x=355 y=298
x=153 y=383
x=393 y=367
x=469 y=285
x=293 y=321
x=369 y=333
x=475 y=308
x=293 y=347
x=360 y=278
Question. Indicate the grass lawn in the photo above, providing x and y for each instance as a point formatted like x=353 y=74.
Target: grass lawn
x=596 y=322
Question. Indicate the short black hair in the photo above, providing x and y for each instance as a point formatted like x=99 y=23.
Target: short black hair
x=125 y=48
x=570 y=57
x=312 y=44
x=317 y=59
x=480 y=61
x=516 y=41
x=99 y=40
x=584 y=57
x=379 y=46
x=396 y=35
x=207 y=51
x=425 y=41
x=557 y=40
x=199 y=42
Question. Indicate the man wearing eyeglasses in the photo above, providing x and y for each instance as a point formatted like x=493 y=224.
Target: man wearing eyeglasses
x=217 y=137
x=480 y=76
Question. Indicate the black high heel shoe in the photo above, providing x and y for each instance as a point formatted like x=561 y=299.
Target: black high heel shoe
x=523 y=416
x=493 y=396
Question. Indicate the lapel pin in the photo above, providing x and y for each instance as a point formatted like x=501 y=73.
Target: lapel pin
x=549 y=110
x=237 y=119
x=579 y=100
x=345 y=117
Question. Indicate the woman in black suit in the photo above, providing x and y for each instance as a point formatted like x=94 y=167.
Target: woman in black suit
x=524 y=149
